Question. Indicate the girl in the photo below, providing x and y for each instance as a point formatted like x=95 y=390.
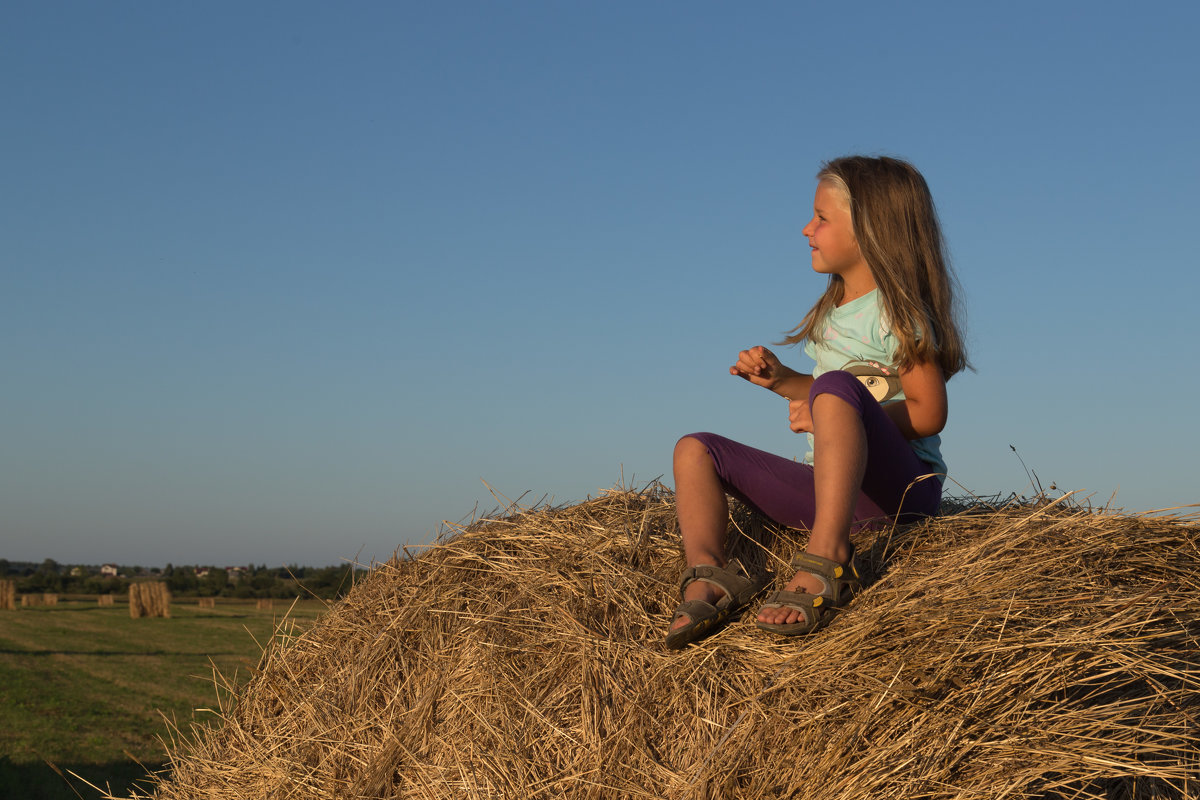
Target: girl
x=885 y=339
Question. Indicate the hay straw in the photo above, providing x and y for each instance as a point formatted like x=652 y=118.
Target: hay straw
x=1033 y=652
x=50 y=598
x=149 y=599
x=31 y=600
x=264 y=603
x=105 y=600
x=8 y=595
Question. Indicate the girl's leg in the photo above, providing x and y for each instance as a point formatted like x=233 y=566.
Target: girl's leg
x=707 y=467
x=701 y=504
x=703 y=516
x=840 y=459
x=862 y=462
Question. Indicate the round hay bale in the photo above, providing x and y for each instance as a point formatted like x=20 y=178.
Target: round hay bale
x=1039 y=651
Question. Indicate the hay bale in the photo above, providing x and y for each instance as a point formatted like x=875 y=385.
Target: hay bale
x=1033 y=652
x=264 y=603
x=105 y=600
x=149 y=599
x=31 y=600
x=206 y=602
x=8 y=595
x=49 y=598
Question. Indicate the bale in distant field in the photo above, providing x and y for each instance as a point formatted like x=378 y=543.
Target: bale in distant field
x=30 y=600
x=8 y=595
x=1038 y=652
x=105 y=600
x=264 y=603
x=50 y=599
x=206 y=602
x=149 y=599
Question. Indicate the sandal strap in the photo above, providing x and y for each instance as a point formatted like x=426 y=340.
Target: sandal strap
x=695 y=610
x=834 y=577
x=737 y=588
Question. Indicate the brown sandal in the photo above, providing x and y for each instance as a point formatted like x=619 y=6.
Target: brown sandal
x=706 y=618
x=841 y=584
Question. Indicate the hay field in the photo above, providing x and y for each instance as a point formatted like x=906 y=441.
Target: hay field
x=83 y=687
x=1032 y=651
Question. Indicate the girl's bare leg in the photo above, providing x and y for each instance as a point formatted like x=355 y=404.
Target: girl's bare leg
x=703 y=516
x=839 y=461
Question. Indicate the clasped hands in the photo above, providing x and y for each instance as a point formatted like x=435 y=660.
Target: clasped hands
x=762 y=368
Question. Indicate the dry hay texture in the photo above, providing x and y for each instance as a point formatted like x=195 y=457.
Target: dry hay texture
x=1040 y=651
x=8 y=595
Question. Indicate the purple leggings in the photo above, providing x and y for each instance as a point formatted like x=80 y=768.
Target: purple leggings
x=782 y=489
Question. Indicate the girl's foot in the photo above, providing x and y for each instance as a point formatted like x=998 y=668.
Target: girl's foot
x=803 y=582
x=711 y=596
x=697 y=590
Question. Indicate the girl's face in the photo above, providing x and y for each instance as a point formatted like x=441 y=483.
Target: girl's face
x=831 y=234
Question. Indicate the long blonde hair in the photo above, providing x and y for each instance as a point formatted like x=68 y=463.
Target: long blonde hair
x=898 y=233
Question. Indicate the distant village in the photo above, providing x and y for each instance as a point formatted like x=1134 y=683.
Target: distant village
x=183 y=581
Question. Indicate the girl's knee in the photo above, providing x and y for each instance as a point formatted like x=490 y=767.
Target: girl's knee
x=838 y=383
x=833 y=381
x=690 y=446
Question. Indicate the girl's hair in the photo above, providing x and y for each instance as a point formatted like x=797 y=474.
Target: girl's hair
x=897 y=229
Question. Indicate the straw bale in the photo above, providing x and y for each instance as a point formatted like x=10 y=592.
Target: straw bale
x=105 y=600
x=29 y=600
x=8 y=595
x=149 y=599
x=1040 y=651
x=264 y=603
x=206 y=602
x=50 y=598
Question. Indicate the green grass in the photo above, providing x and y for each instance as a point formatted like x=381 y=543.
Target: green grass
x=84 y=688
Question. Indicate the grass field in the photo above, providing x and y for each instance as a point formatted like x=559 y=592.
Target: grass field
x=84 y=688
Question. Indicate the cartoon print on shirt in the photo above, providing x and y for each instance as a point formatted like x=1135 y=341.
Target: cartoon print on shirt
x=882 y=382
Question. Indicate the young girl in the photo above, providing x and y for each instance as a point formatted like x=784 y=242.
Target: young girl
x=885 y=339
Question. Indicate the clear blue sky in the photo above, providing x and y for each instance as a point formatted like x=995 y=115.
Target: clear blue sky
x=283 y=282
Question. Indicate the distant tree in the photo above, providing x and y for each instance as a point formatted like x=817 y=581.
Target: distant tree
x=183 y=582
x=4 y=566
x=214 y=582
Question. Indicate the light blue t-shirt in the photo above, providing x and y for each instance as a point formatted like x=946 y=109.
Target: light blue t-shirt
x=857 y=339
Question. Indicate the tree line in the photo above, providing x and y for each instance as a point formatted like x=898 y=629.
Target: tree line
x=248 y=582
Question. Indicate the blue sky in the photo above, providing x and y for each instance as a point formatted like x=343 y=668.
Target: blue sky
x=286 y=282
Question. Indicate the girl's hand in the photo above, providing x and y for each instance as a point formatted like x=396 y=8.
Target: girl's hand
x=799 y=416
x=759 y=366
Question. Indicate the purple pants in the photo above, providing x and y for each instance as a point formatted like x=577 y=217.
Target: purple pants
x=782 y=489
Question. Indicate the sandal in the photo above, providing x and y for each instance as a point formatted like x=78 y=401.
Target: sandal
x=841 y=584
x=706 y=617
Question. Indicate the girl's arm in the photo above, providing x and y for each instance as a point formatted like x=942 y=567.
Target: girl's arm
x=923 y=412
x=761 y=367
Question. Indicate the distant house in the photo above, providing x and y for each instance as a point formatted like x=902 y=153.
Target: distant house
x=235 y=573
x=78 y=572
x=109 y=570
x=202 y=572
